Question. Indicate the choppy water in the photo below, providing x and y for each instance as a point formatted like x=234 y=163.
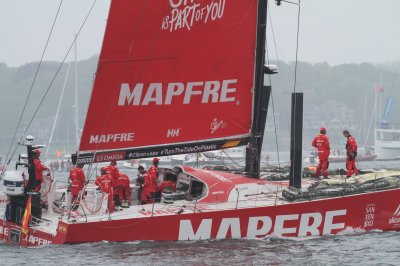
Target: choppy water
x=374 y=248
x=377 y=248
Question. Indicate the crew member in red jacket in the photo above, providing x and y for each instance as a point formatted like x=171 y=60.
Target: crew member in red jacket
x=153 y=172
x=122 y=189
x=105 y=182
x=120 y=184
x=351 y=148
x=77 y=178
x=147 y=188
x=39 y=168
x=321 y=142
x=114 y=171
x=167 y=184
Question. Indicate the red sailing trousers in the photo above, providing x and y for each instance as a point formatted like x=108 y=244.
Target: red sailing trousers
x=351 y=166
x=323 y=165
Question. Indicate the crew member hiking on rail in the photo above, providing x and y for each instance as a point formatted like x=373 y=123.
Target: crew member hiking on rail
x=351 y=148
x=77 y=178
x=39 y=168
x=321 y=142
x=105 y=182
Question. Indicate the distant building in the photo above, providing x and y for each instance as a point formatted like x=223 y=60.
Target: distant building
x=332 y=115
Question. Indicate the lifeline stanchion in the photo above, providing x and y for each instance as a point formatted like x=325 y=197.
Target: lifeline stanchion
x=195 y=205
x=237 y=198
x=256 y=199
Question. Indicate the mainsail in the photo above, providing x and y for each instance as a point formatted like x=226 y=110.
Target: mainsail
x=174 y=76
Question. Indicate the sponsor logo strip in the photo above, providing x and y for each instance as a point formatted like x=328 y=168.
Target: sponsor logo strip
x=162 y=150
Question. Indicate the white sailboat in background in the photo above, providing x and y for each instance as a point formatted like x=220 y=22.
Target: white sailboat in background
x=386 y=134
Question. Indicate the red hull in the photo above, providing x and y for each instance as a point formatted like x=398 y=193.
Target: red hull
x=369 y=211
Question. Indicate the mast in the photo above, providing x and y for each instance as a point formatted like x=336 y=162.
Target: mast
x=261 y=97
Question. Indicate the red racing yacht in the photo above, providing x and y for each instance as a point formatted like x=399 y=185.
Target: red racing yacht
x=177 y=77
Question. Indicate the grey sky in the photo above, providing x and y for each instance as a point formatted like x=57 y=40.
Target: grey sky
x=334 y=31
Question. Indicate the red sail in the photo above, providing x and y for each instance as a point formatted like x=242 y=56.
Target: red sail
x=173 y=71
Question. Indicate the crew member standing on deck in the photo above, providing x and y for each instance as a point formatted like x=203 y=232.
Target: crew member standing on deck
x=39 y=168
x=140 y=181
x=77 y=178
x=147 y=188
x=321 y=142
x=351 y=148
x=105 y=182
x=122 y=190
x=114 y=172
x=153 y=173
x=121 y=182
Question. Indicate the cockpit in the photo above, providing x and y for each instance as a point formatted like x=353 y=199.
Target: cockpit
x=186 y=186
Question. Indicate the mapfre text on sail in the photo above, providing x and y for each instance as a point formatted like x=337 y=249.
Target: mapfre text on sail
x=178 y=92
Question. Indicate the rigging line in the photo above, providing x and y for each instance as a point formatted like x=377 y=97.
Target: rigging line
x=273 y=36
x=232 y=160
x=56 y=74
x=33 y=83
x=290 y=2
x=58 y=110
x=297 y=49
x=276 y=132
x=272 y=101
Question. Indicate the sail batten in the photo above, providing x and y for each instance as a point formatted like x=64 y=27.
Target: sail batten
x=173 y=73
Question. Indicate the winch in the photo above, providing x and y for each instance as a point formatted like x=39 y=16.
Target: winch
x=13 y=183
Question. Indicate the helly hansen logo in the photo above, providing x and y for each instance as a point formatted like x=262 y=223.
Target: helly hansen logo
x=397 y=211
x=396 y=217
x=171 y=133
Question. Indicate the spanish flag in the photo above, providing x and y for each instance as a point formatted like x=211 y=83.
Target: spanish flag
x=27 y=216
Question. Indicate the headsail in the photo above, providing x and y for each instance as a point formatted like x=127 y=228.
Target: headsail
x=173 y=73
